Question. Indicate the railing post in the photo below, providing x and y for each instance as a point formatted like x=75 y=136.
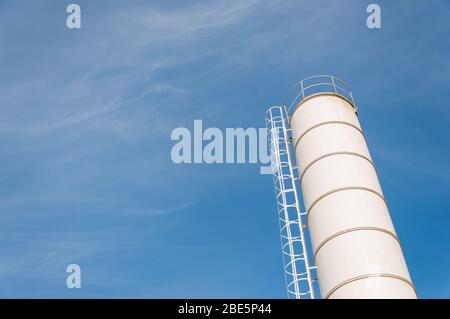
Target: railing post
x=303 y=93
x=334 y=84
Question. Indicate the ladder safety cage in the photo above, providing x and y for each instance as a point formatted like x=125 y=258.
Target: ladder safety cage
x=297 y=267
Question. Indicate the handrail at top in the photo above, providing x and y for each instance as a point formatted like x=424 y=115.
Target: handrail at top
x=321 y=84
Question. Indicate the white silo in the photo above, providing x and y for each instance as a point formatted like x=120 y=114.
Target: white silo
x=354 y=245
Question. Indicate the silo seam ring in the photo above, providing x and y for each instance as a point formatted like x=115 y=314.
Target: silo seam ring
x=326 y=123
x=308 y=211
x=370 y=276
x=332 y=154
x=342 y=232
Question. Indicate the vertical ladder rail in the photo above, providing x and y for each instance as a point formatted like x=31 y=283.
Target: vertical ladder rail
x=297 y=269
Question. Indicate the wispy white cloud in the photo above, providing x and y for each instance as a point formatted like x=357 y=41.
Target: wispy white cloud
x=152 y=40
x=162 y=211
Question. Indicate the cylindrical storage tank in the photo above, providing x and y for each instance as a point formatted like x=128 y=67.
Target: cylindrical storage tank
x=355 y=247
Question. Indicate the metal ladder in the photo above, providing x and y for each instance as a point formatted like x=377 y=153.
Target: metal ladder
x=297 y=268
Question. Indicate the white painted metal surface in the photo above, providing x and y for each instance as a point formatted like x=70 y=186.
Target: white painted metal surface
x=355 y=247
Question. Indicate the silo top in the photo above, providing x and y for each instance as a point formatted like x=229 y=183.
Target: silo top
x=317 y=85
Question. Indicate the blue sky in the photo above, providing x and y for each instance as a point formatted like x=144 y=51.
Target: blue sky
x=86 y=117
